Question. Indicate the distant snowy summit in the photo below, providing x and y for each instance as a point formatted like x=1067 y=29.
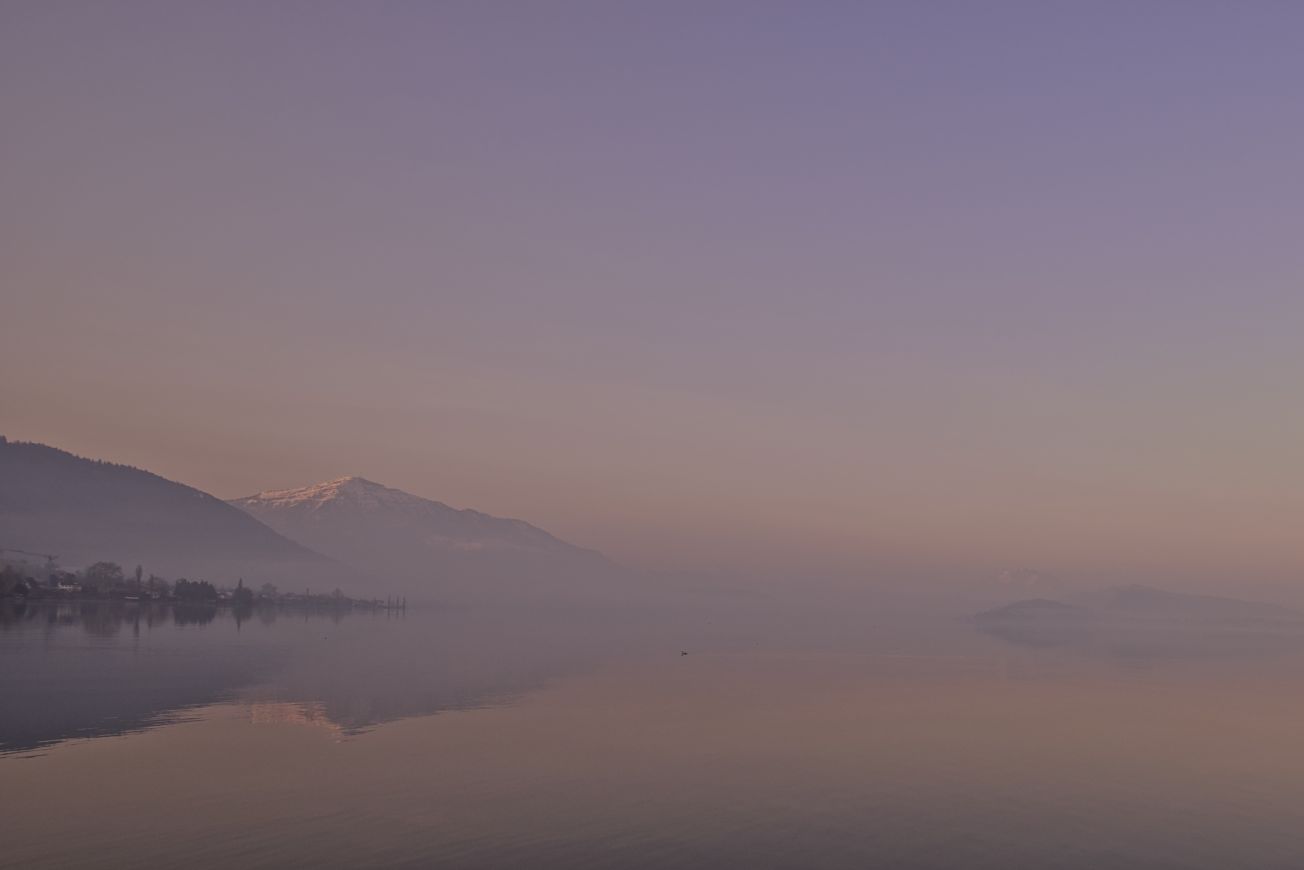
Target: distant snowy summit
x=380 y=529
x=354 y=491
x=356 y=498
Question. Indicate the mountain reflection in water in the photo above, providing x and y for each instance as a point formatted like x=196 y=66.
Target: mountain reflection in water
x=92 y=669
x=829 y=736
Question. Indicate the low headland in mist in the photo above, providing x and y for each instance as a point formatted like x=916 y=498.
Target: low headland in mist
x=1148 y=621
x=1139 y=605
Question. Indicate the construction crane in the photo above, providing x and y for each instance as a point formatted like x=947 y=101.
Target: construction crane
x=49 y=557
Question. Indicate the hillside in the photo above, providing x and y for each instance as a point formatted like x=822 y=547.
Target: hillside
x=85 y=510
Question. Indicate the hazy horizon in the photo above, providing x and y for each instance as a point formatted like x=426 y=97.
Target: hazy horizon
x=746 y=287
x=791 y=434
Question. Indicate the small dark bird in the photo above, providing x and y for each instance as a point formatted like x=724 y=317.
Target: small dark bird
x=683 y=652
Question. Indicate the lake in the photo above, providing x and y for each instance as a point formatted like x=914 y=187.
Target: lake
x=550 y=737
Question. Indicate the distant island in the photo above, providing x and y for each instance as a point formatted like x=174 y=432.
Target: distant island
x=1139 y=605
x=1144 y=620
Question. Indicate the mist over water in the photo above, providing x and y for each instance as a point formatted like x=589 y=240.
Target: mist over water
x=567 y=434
x=835 y=735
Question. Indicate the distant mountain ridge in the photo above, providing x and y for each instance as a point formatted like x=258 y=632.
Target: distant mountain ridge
x=464 y=528
x=379 y=529
x=86 y=510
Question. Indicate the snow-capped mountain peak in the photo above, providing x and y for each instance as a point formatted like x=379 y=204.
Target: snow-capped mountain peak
x=352 y=518
x=356 y=491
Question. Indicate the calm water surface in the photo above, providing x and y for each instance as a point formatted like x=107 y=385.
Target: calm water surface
x=534 y=738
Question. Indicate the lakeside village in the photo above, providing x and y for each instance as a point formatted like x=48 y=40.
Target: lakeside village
x=27 y=581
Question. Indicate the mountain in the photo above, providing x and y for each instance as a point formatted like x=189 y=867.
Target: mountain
x=416 y=543
x=84 y=511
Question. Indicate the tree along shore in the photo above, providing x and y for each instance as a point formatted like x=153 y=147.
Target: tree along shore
x=106 y=581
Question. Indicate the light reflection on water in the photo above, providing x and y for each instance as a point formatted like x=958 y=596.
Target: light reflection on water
x=513 y=738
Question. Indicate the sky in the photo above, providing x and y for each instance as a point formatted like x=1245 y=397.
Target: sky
x=788 y=287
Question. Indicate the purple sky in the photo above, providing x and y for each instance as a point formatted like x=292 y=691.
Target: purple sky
x=830 y=285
